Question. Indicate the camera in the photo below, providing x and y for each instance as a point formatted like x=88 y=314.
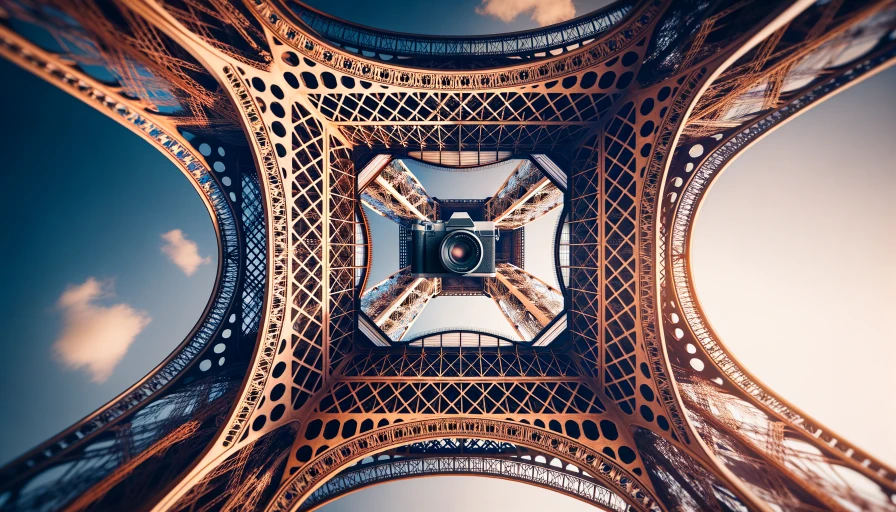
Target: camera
x=459 y=247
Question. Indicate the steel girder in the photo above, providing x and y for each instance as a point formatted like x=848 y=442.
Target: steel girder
x=395 y=193
x=524 y=197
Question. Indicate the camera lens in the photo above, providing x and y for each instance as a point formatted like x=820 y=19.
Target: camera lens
x=461 y=252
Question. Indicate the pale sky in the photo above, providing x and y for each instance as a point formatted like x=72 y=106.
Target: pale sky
x=456 y=494
x=793 y=262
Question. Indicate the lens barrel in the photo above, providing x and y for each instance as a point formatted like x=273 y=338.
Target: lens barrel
x=461 y=252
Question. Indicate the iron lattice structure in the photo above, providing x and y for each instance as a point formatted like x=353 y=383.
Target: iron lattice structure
x=528 y=304
x=282 y=399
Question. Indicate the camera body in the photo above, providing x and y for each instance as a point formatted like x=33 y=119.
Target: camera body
x=458 y=247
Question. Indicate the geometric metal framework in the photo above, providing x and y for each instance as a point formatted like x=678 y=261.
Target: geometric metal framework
x=467 y=457
x=396 y=194
x=526 y=195
x=526 y=302
x=280 y=399
x=394 y=304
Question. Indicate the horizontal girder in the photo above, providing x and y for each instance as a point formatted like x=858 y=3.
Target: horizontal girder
x=531 y=468
x=493 y=363
x=531 y=43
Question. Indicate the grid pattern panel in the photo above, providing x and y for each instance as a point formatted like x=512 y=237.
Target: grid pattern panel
x=470 y=398
x=308 y=190
x=585 y=212
x=500 y=137
x=372 y=441
x=620 y=290
x=256 y=251
x=430 y=106
x=568 y=34
x=524 y=470
x=460 y=362
x=342 y=248
x=307 y=217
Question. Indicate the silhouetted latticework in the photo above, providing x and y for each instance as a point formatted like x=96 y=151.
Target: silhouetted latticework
x=298 y=386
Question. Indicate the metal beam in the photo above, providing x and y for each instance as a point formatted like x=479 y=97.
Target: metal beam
x=526 y=195
x=372 y=169
x=528 y=303
x=396 y=303
x=624 y=139
x=395 y=193
x=463 y=459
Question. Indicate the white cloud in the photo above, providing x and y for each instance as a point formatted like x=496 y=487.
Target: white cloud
x=543 y=12
x=183 y=252
x=93 y=336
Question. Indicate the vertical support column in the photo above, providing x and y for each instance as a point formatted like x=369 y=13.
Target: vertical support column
x=345 y=238
x=325 y=260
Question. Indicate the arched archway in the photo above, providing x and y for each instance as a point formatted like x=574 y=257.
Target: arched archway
x=467 y=457
x=307 y=479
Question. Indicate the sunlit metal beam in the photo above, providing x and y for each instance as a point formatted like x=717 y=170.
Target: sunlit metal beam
x=395 y=193
x=528 y=303
x=526 y=195
x=396 y=303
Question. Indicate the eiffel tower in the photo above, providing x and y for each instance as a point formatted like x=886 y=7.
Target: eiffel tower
x=300 y=384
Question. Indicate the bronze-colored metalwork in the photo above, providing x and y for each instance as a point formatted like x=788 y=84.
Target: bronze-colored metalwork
x=468 y=457
x=528 y=303
x=526 y=195
x=397 y=194
x=394 y=304
x=281 y=398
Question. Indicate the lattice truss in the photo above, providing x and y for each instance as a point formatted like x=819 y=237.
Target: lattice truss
x=395 y=304
x=528 y=303
x=397 y=194
x=466 y=457
x=143 y=62
x=784 y=63
x=443 y=52
x=526 y=195
x=783 y=456
x=637 y=406
x=773 y=459
x=163 y=421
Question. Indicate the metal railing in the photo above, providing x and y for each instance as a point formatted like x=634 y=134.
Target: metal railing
x=360 y=38
x=462 y=330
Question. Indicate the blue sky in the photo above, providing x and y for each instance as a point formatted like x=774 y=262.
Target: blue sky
x=84 y=198
x=87 y=203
